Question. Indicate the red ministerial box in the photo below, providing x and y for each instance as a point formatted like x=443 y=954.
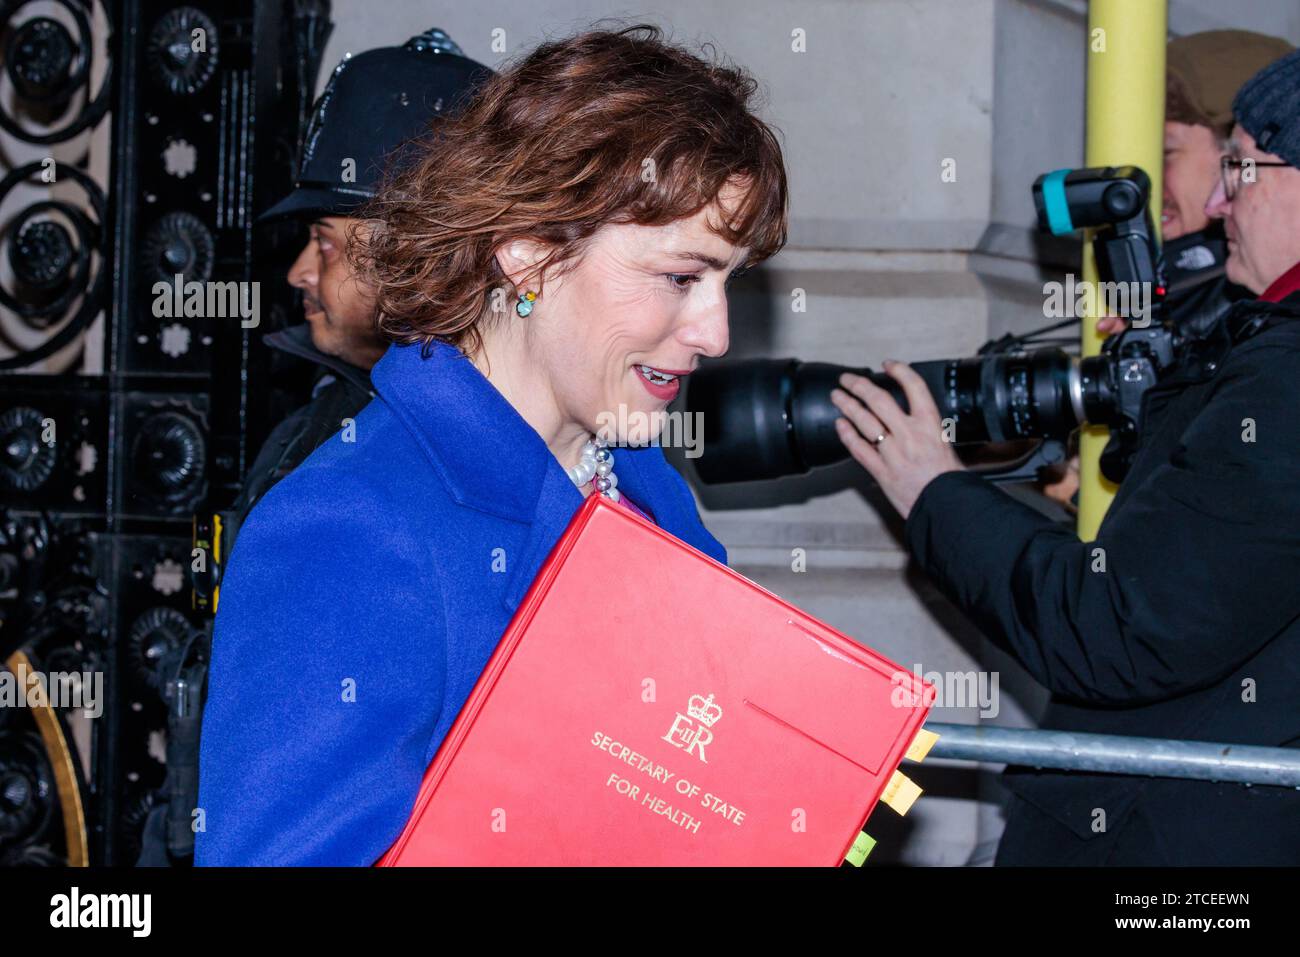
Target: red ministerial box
x=650 y=706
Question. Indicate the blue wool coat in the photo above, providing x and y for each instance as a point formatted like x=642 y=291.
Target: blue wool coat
x=363 y=598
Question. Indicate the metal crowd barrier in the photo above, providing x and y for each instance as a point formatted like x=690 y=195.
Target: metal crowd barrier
x=1118 y=754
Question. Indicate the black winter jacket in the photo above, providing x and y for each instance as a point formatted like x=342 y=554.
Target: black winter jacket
x=1199 y=293
x=1191 y=631
x=339 y=392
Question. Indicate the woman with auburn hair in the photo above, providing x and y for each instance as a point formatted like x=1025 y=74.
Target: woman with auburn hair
x=556 y=254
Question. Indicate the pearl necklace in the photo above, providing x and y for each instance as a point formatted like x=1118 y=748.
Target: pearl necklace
x=597 y=462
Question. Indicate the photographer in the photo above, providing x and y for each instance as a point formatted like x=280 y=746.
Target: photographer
x=1203 y=71
x=1182 y=619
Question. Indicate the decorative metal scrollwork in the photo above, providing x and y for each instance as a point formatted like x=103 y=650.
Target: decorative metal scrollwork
x=26 y=462
x=48 y=68
x=183 y=50
x=52 y=247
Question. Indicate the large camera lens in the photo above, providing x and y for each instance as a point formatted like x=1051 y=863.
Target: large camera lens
x=1007 y=398
x=765 y=418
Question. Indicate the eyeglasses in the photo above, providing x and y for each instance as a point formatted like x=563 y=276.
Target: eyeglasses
x=1231 y=170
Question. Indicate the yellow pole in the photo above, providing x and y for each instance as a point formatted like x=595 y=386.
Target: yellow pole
x=1126 y=119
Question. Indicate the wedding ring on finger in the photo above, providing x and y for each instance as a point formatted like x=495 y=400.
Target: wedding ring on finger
x=878 y=439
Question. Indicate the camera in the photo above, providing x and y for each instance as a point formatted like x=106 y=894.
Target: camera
x=766 y=418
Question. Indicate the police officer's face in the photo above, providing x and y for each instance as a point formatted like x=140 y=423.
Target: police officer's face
x=338 y=306
x=1261 y=219
x=1191 y=170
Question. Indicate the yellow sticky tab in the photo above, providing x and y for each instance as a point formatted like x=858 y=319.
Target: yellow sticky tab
x=861 y=848
x=921 y=745
x=901 y=793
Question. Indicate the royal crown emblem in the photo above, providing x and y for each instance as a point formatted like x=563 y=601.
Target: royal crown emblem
x=704 y=710
x=686 y=734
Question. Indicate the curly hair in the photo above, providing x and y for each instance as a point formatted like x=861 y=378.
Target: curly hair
x=603 y=127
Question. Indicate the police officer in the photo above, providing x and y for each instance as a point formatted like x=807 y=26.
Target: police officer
x=373 y=103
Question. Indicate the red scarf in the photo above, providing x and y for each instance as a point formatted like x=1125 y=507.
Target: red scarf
x=1283 y=285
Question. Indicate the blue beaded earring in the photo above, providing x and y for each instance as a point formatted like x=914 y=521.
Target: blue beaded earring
x=525 y=304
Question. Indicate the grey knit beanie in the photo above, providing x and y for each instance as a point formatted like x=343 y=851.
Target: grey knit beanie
x=1268 y=108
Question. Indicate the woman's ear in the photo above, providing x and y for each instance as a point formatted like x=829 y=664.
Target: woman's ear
x=519 y=261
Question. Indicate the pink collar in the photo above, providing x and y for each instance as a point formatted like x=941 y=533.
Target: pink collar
x=627 y=502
